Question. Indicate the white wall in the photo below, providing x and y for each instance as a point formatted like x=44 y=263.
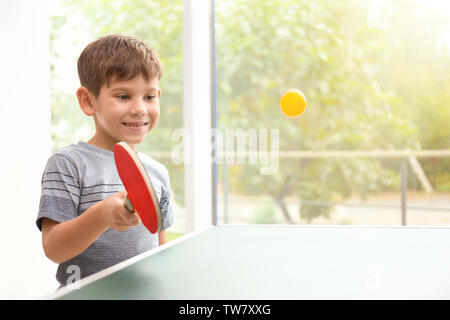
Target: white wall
x=25 y=272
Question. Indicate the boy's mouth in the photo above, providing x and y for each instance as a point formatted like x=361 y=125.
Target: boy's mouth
x=136 y=124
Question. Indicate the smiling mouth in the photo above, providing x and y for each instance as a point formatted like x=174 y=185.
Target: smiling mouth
x=136 y=124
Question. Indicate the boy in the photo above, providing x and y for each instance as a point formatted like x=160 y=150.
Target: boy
x=85 y=225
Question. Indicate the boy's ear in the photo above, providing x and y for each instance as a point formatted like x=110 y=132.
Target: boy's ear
x=85 y=101
x=159 y=94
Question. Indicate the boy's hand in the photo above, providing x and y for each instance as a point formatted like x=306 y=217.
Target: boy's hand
x=115 y=215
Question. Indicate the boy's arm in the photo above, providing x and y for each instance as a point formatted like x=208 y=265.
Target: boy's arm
x=63 y=241
x=162 y=237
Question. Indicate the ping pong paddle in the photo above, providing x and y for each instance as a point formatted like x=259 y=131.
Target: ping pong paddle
x=140 y=193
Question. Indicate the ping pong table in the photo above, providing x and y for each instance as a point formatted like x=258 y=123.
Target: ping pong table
x=281 y=262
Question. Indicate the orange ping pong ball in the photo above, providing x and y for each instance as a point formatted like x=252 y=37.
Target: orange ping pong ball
x=293 y=103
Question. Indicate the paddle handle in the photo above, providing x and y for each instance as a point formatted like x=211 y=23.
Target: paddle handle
x=128 y=205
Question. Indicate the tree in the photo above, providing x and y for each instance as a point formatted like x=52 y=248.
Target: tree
x=326 y=49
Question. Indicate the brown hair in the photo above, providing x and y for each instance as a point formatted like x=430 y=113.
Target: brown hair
x=119 y=56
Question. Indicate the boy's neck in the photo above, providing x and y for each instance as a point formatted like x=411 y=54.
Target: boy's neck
x=95 y=141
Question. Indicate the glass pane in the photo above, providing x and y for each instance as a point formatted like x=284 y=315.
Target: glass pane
x=376 y=76
x=74 y=24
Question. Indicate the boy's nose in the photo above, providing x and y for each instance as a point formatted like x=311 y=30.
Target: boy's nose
x=138 y=108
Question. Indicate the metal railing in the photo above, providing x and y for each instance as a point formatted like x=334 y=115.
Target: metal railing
x=408 y=156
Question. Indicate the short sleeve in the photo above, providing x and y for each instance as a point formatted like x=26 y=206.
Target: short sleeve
x=166 y=210
x=165 y=202
x=60 y=190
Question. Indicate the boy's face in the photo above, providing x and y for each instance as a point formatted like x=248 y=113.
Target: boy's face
x=125 y=111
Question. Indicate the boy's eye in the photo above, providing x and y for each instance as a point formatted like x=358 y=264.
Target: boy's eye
x=123 y=97
x=150 y=97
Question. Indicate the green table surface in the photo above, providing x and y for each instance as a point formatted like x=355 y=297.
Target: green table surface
x=283 y=262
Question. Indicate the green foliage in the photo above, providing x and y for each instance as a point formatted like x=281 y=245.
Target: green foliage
x=310 y=46
x=376 y=75
x=341 y=56
x=264 y=214
x=311 y=192
x=172 y=236
x=438 y=171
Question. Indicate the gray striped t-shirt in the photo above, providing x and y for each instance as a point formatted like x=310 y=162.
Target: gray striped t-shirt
x=78 y=176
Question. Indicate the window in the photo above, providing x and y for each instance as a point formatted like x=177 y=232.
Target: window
x=376 y=75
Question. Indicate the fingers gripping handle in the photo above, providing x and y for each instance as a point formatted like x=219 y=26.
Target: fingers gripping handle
x=128 y=205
